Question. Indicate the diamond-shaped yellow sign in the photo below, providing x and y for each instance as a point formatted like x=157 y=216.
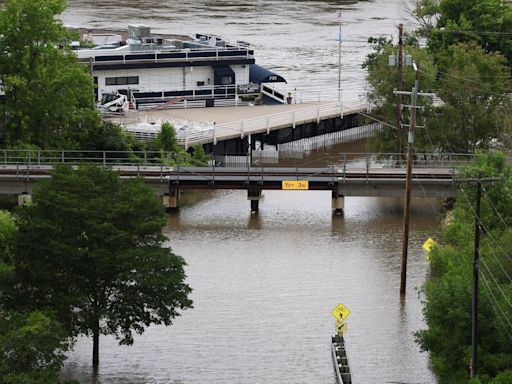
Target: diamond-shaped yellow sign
x=340 y=312
x=429 y=244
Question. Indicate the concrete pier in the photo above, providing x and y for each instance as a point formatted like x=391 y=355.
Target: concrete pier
x=254 y=196
x=338 y=202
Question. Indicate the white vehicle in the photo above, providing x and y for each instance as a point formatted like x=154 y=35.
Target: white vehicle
x=113 y=102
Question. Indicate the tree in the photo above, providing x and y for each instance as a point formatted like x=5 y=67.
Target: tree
x=382 y=79
x=448 y=306
x=91 y=248
x=32 y=348
x=474 y=87
x=7 y=231
x=48 y=93
x=485 y=22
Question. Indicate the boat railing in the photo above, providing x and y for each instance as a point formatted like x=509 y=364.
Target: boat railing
x=97 y=57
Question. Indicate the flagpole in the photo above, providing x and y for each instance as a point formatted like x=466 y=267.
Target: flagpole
x=339 y=56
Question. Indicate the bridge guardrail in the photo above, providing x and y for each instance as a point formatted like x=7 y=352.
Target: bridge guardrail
x=267 y=123
x=374 y=160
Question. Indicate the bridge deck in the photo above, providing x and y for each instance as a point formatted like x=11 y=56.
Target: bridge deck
x=224 y=123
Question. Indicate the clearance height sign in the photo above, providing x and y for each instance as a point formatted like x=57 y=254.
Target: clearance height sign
x=297 y=185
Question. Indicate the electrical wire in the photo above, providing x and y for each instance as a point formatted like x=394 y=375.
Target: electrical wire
x=497 y=284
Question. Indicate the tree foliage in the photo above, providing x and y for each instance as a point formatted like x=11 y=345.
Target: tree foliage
x=485 y=22
x=474 y=87
x=91 y=248
x=48 y=93
x=467 y=70
x=32 y=348
x=7 y=231
x=382 y=79
x=448 y=306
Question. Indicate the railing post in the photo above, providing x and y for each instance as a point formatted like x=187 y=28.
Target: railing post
x=367 y=166
x=38 y=157
x=186 y=138
x=318 y=115
x=214 y=135
x=145 y=157
x=5 y=156
x=268 y=125
x=62 y=157
x=293 y=119
x=241 y=129
x=104 y=159
x=341 y=109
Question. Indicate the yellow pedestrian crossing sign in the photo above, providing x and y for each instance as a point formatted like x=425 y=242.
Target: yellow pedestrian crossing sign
x=340 y=312
x=429 y=244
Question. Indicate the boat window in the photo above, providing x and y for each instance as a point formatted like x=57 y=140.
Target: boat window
x=225 y=80
x=122 y=80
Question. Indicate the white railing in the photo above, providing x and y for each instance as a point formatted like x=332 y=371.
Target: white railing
x=270 y=122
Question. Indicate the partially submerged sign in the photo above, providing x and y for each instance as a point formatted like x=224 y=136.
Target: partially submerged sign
x=340 y=312
x=295 y=185
x=429 y=244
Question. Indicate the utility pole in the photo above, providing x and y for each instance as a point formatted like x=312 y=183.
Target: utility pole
x=408 y=182
x=399 y=87
x=476 y=269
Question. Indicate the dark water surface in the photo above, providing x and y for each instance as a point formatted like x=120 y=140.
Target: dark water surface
x=264 y=285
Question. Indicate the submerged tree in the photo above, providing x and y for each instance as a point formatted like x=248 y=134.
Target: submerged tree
x=91 y=248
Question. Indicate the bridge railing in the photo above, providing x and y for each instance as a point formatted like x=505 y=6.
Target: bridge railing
x=267 y=123
x=340 y=161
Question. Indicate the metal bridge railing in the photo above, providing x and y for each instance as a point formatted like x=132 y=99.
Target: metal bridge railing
x=369 y=161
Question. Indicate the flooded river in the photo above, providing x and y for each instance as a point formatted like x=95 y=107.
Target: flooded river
x=264 y=285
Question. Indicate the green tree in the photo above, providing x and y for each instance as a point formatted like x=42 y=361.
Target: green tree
x=48 y=93
x=474 y=87
x=382 y=79
x=485 y=22
x=32 y=348
x=91 y=247
x=448 y=306
x=7 y=231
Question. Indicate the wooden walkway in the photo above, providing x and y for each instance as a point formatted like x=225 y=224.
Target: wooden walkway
x=209 y=125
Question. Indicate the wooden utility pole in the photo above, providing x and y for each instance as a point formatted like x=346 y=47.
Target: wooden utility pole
x=476 y=269
x=408 y=182
x=408 y=186
x=399 y=87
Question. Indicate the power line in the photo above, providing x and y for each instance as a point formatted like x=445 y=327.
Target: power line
x=497 y=284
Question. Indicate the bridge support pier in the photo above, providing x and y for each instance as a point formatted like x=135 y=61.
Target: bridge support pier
x=171 y=200
x=254 y=196
x=338 y=202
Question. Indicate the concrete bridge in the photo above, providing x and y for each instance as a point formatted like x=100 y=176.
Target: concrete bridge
x=434 y=175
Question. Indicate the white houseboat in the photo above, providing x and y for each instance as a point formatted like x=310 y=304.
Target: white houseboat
x=176 y=70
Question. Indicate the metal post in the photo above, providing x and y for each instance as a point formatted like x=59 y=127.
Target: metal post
x=399 y=87
x=339 y=56
x=476 y=269
x=408 y=186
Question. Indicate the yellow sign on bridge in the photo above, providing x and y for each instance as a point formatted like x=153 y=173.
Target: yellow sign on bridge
x=295 y=185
